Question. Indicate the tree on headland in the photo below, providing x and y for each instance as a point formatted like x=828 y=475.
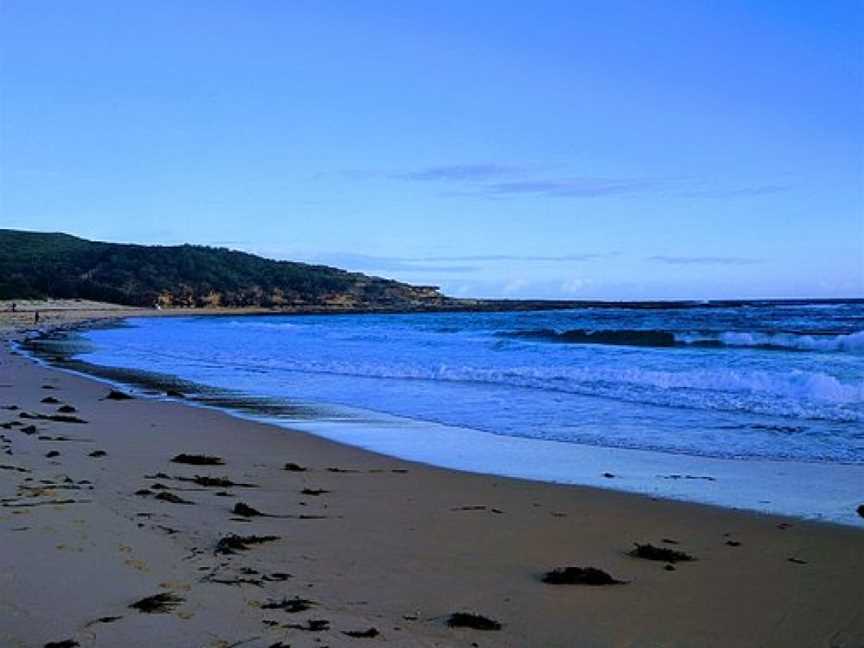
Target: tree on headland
x=39 y=265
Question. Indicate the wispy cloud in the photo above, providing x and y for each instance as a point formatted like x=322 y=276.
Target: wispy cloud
x=371 y=263
x=705 y=260
x=594 y=256
x=581 y=187
x=443 y=264
x=497 y=180
x=460 y=172
x=762 y=190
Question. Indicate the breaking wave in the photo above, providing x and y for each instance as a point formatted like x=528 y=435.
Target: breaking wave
x=849 y=343
x=795 y=393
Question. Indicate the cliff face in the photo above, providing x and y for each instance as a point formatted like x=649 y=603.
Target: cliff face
x=36 y=265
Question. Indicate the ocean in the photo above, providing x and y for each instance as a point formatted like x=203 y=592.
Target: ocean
x=713 y=387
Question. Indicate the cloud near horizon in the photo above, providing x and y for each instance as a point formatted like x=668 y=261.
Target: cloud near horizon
x=497 y=180
x=438 y=263
x=705 y=260
x=460 y=172
x=369 y=263
x=581 y=187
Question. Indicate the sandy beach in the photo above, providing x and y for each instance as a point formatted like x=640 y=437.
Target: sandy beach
x=360 y=549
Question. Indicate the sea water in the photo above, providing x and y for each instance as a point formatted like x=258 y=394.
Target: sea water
x=750 y=382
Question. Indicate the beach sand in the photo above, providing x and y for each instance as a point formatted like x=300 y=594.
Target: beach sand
x=373 y=543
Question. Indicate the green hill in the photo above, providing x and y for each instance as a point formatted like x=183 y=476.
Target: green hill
x=38 y=265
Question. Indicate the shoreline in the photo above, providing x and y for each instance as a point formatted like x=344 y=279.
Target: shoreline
x=401 y=545
x=591 y=455
x=826 y=492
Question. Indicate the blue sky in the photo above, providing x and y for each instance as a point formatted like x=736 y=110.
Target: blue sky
x=619 y=150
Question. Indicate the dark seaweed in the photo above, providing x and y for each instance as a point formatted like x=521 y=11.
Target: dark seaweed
x=158 y=603
x=312 y=625
x=118 y=395
x=371 y=633
x=292 y=605
x=232 y=543
x=473 y=621
x=579 y=576
x=245 y=510
x=650 y=552
x=198 y=460
x=165 y=496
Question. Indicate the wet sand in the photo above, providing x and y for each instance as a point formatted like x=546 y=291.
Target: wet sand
x=372 y=543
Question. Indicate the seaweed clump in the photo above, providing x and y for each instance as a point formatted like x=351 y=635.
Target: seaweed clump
x=291 y=605
x=165 y=496
x=118 y=395
x=312 y=625
x=293 y=467
x=64 y=418
x=246 y=511
x=216 y=482
x=650 y=552
x=198 y=460
x=371 y=633
x=579 y=576
x=158 y=603
x=473 y=621
x=233 y=543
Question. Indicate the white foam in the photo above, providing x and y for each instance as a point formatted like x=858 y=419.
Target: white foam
x=850 y=343
x=828 y=492
x=278 y=326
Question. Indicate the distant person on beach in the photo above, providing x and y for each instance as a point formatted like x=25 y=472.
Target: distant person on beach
x=14 y=307
x=36 y=317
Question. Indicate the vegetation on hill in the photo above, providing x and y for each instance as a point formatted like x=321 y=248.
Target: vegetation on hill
x=39 y=265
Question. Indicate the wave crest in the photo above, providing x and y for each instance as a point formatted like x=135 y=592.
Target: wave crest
x=848 y=343
x=623 y=337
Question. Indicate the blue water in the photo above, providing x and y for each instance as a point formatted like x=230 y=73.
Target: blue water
x=748 y=382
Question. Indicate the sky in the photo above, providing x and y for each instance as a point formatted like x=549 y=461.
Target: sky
x=653 y=149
